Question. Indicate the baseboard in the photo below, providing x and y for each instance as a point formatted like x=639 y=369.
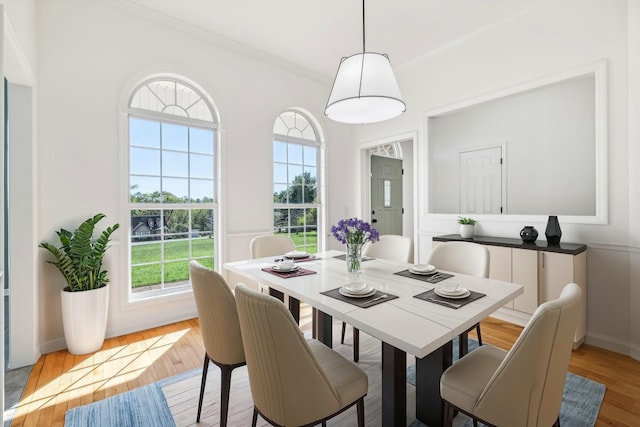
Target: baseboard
x=613 y=344
x=512 y=316
x=142 y=326
x=635 y=352
x=53 y=345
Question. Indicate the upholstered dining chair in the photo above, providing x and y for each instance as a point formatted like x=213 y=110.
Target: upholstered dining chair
x=220 y=330
x=391 y=247
x=293 y=381
x=271 y=245
x=524 y=386
x=464 y=258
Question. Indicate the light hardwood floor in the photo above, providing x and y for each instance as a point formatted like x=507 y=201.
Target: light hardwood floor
x=60 y=381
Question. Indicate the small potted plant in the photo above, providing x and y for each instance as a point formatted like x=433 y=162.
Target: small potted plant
x=85 y=299
x=467 y=226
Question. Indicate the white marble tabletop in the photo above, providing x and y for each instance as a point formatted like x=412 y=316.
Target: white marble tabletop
x=415 y=326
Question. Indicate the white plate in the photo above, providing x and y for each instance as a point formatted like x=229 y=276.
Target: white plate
x=464 y=294
x=357 y=288
x=422 y=268
x=451 y=290
x=422 y=273
x=284 y=269
x=297 y=254
x=371 y=291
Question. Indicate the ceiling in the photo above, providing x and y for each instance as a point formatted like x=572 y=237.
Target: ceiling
x=314 y=35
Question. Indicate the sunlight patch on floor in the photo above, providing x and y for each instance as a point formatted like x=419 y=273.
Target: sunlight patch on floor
x=103 y=370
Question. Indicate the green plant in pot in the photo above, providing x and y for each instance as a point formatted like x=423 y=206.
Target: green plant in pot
x=85 y=299
x=467 y=227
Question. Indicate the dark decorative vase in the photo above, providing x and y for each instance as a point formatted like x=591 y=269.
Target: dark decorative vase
x=529 y=234
x=553 y=231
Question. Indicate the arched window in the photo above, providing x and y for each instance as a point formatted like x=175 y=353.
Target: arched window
x=296 y=178
x=172 y=184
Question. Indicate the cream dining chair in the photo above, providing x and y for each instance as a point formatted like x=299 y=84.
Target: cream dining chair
x=524 y=386
x=220 y=330
x=464 y=258
x=391 y=247
x=271 y=245
x=294 y=381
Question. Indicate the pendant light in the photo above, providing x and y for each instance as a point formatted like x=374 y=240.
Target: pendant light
x=365 y=89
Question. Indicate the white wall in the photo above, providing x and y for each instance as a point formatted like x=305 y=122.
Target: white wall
x=90 y=54
x=634 y=172
x=555 y=37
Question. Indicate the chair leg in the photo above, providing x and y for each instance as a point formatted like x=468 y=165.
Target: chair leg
x=225 y=386
x=254 y=420
x=205 y=369
x=479 y=334
x=360 y=411
x=344 y=327
x=314 y=323
x=448 y=414
x=356 y=344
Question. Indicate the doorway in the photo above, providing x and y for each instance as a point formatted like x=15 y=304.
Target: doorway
x=386 y=195
x=401 y=148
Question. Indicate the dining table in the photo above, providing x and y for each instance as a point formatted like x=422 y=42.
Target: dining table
x=402 y=311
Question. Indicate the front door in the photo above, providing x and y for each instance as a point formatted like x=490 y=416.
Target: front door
x=386 y=195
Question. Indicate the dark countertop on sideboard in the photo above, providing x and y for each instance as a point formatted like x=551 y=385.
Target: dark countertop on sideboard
x=538 y=245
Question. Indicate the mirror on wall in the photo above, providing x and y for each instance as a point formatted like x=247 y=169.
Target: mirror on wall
x=535 y=150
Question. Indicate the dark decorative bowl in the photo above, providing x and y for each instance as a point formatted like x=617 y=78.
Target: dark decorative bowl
x=529 y=234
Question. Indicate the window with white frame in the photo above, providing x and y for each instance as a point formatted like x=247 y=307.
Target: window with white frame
x=296 y=166
x=172 y=186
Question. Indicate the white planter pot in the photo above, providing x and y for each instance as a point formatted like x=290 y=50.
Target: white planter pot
x=84 y=317
x=466 y=231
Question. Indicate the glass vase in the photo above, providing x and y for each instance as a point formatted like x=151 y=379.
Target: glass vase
x=354 y=257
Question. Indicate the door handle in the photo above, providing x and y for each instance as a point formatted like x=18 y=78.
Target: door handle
x=373 y=221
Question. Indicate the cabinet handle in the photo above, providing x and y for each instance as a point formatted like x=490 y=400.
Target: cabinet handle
x=542 y=259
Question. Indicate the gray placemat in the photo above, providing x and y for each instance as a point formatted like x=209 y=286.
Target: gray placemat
x=360 y=302
x=431 y=296
x=287 y=274
x=430 y=278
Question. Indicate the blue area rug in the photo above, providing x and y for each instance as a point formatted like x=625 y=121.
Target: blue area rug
x=581 y=399
x=141 y=407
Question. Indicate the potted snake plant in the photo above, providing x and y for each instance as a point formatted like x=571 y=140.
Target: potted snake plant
x=85 y=299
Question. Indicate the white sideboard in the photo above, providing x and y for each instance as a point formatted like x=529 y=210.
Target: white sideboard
x=543 y=271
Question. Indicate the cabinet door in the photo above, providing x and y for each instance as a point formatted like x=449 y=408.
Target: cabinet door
x=556 y=271
x=500 y=265
x=525 y=273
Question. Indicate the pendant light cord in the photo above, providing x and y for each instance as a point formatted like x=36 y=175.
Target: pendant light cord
x=364 y=49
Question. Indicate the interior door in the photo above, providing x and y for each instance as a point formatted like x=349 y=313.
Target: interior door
x=481 y=181
x=386 y=195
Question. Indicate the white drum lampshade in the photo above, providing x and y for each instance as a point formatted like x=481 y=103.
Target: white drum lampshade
x=365 y=90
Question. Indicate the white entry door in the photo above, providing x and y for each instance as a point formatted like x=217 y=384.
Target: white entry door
x=386 y=195
x=481 y=173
